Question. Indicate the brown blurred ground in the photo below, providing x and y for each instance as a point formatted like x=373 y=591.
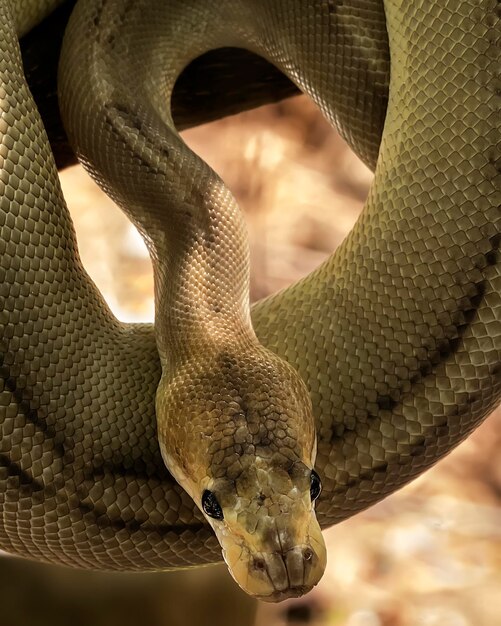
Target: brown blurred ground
x=428 y=556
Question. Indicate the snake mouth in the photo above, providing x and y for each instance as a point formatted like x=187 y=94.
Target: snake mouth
x=274 y=575
x=286 y=594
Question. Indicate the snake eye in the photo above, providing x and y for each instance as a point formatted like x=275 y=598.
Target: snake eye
x=211 y=506
x=315 y=486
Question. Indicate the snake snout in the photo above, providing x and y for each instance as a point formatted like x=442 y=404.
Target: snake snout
x=289 y=574
x=283 y=558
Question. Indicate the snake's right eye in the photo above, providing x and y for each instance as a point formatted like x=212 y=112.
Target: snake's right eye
x=315 y=486
x=211 y=506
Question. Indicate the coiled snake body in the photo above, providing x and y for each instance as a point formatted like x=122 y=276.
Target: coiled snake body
x=396 y=338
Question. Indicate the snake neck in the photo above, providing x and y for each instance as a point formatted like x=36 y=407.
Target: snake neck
x=199 y=304
x=195 y=233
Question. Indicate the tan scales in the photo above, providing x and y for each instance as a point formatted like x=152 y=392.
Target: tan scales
x=397 y=336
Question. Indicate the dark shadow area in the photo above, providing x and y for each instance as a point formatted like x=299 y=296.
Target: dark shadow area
x=33 y=594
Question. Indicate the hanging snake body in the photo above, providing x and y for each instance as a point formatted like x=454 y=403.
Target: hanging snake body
x=379 y=362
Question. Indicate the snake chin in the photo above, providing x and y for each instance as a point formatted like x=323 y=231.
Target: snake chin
x=280 y=596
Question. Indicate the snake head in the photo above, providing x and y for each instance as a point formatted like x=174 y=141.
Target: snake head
x=265 y=522
x=237 y=432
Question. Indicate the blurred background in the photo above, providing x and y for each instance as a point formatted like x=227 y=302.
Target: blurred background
x=430 y=555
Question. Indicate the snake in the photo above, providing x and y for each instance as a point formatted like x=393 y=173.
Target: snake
x=230 y=431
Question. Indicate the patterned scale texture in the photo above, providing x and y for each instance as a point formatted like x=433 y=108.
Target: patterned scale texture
x=397 y=336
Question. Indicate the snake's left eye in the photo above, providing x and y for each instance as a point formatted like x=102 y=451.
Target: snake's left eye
x=211 y=506
x=315 y=485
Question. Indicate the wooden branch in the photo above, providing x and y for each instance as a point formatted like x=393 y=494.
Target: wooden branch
x=220 y=83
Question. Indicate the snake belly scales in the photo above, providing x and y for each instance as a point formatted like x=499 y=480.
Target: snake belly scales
x=379 y=362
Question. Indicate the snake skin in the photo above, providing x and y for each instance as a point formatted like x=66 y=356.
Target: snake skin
x=27 y=13
x=397 y=335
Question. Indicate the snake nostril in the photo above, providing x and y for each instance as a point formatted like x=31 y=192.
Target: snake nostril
x=259 y=564
x=308 y=554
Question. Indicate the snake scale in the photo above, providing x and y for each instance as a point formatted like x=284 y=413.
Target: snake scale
x=379 y=362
